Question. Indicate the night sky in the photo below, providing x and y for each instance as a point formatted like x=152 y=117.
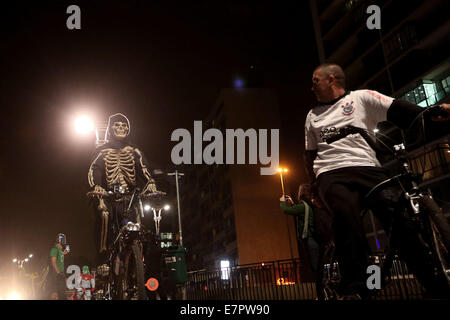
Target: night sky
x=162 y=63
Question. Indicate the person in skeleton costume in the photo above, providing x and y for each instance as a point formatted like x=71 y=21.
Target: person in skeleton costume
x=85 y=285
x=120 y=166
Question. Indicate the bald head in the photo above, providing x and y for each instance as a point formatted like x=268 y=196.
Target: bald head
x=335 y=70
x=328 y=82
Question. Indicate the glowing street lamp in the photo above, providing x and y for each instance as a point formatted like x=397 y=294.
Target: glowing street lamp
x=84 y=125
x=178 y=174
x=157 y=215
x=13 y=296
x=281 y=170
x=20 y=262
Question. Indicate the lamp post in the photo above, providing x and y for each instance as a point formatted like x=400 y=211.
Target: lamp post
x=20 y=262
x=176 y=174
x=84 y=126
x=156 y=216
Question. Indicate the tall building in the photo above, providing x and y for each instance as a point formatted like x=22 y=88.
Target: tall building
x=407 y=59
x=231 y=212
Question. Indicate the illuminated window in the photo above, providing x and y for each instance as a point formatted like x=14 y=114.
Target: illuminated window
x=166 y=236
x=166 y=244
x=428 y=92
x=446 y=85
x=225 y=269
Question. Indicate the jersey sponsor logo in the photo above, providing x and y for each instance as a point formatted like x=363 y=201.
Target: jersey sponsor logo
x=326 y=132
x=348 y=108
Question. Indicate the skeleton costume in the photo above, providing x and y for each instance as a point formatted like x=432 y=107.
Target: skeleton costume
x=118 y=162
x=117 y=165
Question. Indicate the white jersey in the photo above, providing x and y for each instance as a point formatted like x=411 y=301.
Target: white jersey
x=362 y=109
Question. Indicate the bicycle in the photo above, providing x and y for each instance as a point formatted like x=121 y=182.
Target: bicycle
x=418 y=204
x=123 y=274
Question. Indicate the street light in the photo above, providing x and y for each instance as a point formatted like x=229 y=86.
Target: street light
x=84 y=125
x=157 y=216
x=20 y=262
x=176 y=174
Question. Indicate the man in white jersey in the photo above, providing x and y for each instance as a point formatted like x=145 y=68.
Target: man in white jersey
x=345 y=170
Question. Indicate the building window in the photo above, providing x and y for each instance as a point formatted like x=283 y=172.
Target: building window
x=225 y=269
x=446 y=85
x=400 y=42
x=428 y=92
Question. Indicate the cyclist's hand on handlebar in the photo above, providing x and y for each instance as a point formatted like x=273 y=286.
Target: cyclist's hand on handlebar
x=97 y=191
x=445 y=107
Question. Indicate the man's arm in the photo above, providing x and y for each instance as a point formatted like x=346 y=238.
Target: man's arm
x=402 y=113
x=150 y=185
x=55 y=266
x=309 y=157
x=311 y=149
x=95 y=173
x=295 y=210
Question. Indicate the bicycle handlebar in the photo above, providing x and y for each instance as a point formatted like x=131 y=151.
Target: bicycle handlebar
x=434 y=111
x=152 y=195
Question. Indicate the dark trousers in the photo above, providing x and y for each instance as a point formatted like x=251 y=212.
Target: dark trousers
x=56 y=284
x=316 y=257
x=343 y=191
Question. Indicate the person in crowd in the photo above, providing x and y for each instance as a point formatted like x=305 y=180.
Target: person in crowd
x=347 y=169
x=313 y=229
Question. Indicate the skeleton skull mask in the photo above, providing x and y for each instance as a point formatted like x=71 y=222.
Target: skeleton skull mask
x=120 y=129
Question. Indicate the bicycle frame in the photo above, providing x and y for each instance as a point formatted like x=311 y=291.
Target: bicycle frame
x=421 y=208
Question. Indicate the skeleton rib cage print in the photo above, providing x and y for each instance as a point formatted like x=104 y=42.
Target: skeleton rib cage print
x=119 y=168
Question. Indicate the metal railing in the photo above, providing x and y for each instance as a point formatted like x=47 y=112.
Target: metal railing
x=281 y=280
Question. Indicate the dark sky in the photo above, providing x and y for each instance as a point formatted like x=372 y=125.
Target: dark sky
x=162 y=63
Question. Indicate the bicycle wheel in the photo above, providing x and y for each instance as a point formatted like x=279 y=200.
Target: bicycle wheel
x=431 y=208
x=132 y=283
x=441 y=252
x=440 y=234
